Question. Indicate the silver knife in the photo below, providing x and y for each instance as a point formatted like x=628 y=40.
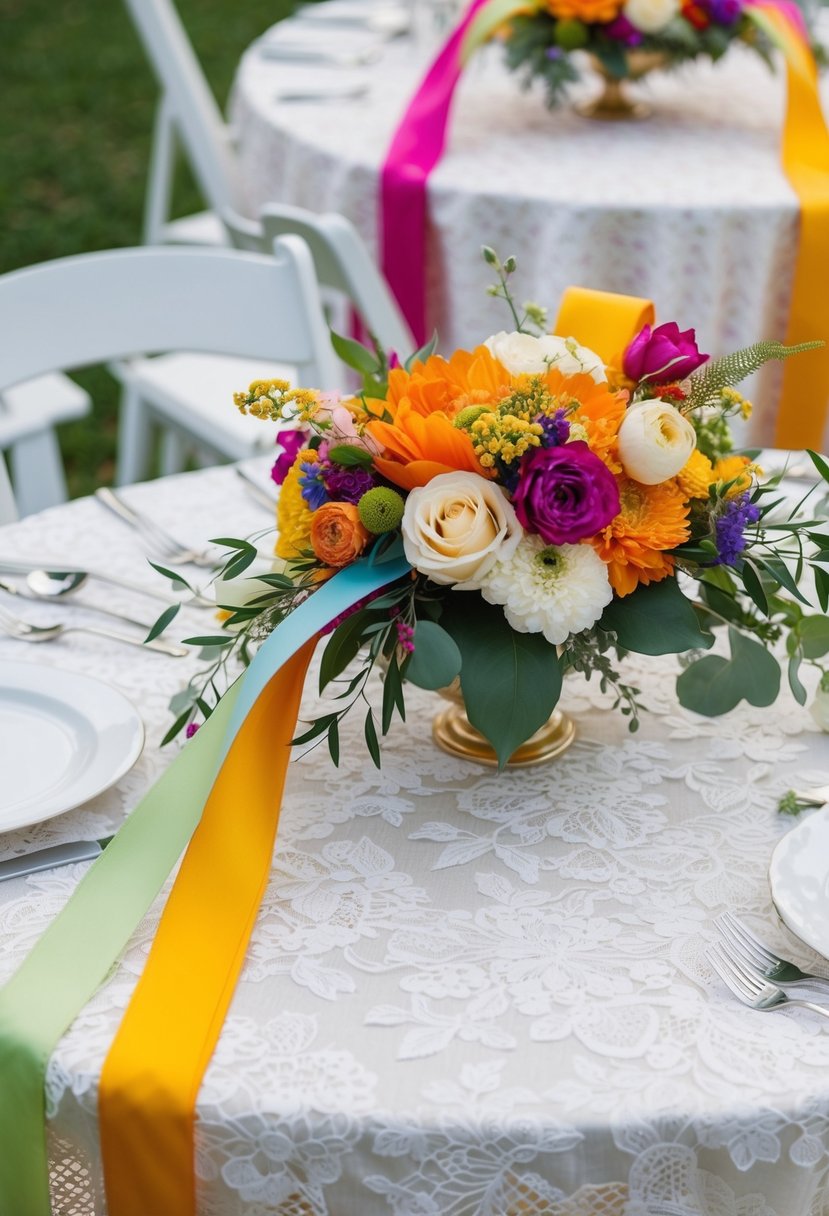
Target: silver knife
x=55 y=855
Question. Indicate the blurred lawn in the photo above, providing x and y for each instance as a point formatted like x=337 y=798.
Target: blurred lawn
x=75 y=126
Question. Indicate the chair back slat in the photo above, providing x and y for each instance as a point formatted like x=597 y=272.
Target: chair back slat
x=191 y=103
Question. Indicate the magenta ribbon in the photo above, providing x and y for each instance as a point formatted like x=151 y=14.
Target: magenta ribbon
x=415 y=149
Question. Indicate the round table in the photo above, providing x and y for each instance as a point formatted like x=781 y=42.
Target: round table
x=690 y=208
x=466 y=995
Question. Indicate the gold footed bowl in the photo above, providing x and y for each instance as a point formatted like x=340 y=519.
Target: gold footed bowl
x=453 y=732
x=614 y=103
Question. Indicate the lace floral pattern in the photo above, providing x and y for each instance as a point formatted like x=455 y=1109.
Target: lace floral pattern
x=467 y=995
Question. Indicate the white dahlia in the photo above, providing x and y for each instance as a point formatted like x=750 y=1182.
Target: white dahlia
x=556 y=590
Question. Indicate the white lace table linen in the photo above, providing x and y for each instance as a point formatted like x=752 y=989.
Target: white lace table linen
x=690 y=208
x=466 y=995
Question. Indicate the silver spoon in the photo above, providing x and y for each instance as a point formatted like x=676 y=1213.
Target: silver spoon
x=75 y=579
x=26 y=632
x=46 y=585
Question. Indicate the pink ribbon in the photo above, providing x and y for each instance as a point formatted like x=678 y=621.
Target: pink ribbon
x=416 y=148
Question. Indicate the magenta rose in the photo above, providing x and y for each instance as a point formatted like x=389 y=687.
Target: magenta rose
x=565 y=494
x=663 y=355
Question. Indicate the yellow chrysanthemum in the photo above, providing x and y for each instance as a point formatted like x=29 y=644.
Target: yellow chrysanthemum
x=697 y=476
x=738 y=469
x=652 y=520
x=293 y=515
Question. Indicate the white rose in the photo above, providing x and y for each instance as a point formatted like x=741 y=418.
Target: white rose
x=457 y=526
x=655 y=442
x=650 y=16
x=819 y=709
x=522 y=354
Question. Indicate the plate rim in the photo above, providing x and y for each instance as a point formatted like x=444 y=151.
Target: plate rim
x=124 y=766
x=780 y=848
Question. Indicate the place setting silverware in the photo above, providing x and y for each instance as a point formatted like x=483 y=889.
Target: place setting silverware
x=256 y=490
x=52 y=856
x=67 y=581
x=37 y=592
x=160 y=544
x=758 y=976
x=336 y=92
x=300 y=53
x=25 y=631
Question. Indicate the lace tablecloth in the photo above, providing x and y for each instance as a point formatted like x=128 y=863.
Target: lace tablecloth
x=690 y=208
x=466 y=995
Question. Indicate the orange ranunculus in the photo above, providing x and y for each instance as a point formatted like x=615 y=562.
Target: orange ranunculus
x=591 y=12
x=652 y=519
x=337 y=534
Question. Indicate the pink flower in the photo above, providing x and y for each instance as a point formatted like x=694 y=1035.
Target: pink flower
x=662 y=355
x=290 y=442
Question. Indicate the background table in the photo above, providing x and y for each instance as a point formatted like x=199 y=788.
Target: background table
x=690 y=208
x=466 y=995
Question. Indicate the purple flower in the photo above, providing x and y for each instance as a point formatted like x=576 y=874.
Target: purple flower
x=290 y=442
x=347 y=485
x=192 y=727
x=662 y=355
x=621 y=30
x=565 y=494
x=312 y=484
x=730 y=528
x=555 y=428
x=722 y=12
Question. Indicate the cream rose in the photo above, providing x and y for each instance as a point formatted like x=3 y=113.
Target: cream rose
x=655 y=442
x=522 y=354
x=650 y=16
x=456 y=527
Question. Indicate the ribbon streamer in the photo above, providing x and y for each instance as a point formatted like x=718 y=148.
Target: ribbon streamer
x=416 y=148
x=77 y=951
x=602 y=321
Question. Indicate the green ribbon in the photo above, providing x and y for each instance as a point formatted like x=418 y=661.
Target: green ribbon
x=73 y=957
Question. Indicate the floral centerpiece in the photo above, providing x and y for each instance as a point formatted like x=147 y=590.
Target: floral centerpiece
x=556 y=513
x=624 y=38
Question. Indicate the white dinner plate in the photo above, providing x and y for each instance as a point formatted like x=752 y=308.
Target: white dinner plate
x=63 y=739
x=799 y=879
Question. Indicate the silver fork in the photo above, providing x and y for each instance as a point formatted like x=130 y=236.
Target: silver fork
x=751 y=988
x=164 y=546
x=24 y=632
x=748 y=948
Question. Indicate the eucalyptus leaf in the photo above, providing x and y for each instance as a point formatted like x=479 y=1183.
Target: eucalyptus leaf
x=714 y=685
x=798 y=691
x=354 y=355
x=813 y=632
x=162 y=622
x=436 y=659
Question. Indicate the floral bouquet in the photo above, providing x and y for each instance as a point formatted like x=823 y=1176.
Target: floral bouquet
x=626 y=38
x=556 y=513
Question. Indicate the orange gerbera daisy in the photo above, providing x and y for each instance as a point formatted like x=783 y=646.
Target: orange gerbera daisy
x=600 y=411
x=422 y=440
x=588 y=11
x=651 y=520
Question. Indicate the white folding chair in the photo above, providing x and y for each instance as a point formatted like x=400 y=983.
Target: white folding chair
x=114 y=305
x=29 y=414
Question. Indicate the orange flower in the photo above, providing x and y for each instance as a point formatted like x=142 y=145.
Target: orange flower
x=651 y=520
x=422 y=441
x=589 y=11
x=600 y=411
x=337 y=534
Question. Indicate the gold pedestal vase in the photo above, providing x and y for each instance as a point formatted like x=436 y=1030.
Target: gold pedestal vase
x=614 y=103
x=454 y=733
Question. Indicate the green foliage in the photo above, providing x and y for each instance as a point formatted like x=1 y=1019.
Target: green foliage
x=714 y=685
x=511 y=681
x=705 y=385
x=657 y=619
x=436 y=659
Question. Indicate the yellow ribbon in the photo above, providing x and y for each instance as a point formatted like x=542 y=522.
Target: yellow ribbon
x=152 y=1074
x=801 y=414
x=603 y=321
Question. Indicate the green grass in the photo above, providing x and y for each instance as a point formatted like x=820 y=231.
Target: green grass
x=75 y=128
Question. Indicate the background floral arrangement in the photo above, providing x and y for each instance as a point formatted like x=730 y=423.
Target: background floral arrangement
x=550 y=508
x=627 y=37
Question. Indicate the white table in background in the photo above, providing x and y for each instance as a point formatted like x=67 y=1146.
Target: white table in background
x=690 y=208
x=466 y=995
